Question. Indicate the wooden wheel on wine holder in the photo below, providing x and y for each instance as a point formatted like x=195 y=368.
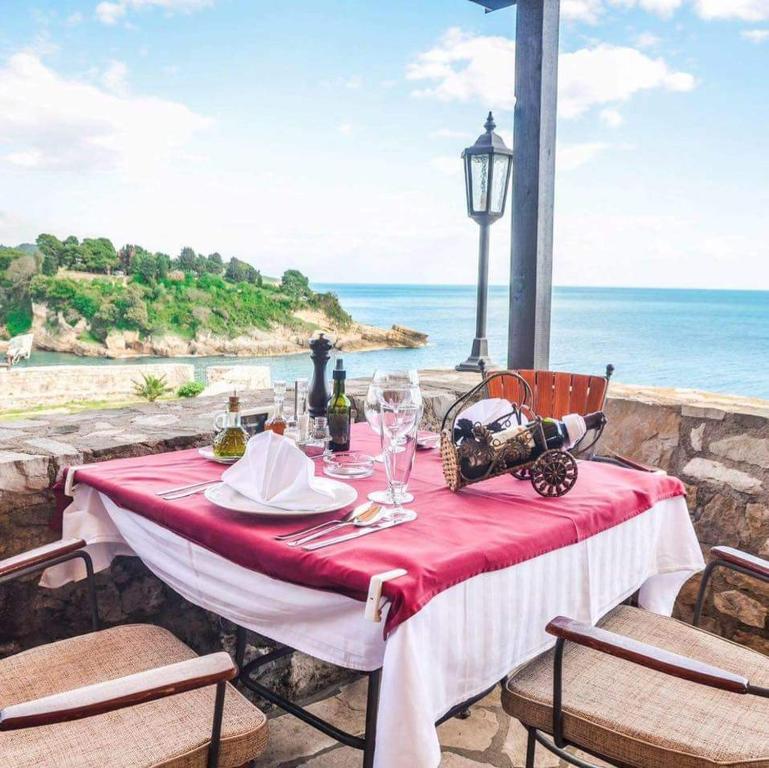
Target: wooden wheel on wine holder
x=522 y=474
x=554 y=473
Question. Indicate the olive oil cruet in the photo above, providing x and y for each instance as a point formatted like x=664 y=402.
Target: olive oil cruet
x=231 y=439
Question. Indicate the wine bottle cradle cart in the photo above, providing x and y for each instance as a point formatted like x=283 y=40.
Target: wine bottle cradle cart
x=480 y=455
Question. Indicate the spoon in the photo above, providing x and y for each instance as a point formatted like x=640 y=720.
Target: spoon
x=352 y=515
x=367 y=514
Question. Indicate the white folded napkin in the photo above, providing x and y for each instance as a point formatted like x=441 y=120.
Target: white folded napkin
x=275 y=472
x=486 y=411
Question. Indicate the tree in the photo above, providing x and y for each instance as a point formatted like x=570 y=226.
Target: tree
x=145 y=266
x=187 y=260
x=50 y=265
x=201 y=265
x=20 y=271
x=251 y=274
x=295 y=284
x=236 y=270
x=214 y=264
x=71 y=252
x=163 y=262
x=52 y=249
x=104 y=320
x=125 y=256
x=98 y=255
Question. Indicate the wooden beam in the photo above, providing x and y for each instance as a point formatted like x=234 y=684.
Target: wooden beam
x=531 y=258
x=494 y=5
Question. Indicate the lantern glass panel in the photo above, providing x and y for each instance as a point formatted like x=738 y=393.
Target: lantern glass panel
x=479 y=170
x=499 y=183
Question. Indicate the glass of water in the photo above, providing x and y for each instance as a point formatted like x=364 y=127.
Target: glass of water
x=398 y=412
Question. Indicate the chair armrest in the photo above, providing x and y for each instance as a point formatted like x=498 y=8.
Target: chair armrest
x=752 y=563
x=123 y=692
x=39 y=556
x=648 y=656
x=625 y=462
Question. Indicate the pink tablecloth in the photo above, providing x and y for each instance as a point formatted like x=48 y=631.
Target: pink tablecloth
x=484 y=528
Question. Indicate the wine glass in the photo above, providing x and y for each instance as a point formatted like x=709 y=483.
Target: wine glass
x=373 y=414
x=388 y=380
x=398 y=410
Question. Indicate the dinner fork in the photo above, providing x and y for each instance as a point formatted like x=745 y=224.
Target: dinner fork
x=185 y=490
x=348 y=518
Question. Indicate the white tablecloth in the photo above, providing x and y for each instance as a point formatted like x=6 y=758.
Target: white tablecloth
x=462 y=642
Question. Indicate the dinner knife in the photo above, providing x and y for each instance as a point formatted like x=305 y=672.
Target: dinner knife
x=357 y=534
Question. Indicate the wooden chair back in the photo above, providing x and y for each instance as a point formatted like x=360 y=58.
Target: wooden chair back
x=556 y=393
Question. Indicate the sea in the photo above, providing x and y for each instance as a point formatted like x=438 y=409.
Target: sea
x=698 y=339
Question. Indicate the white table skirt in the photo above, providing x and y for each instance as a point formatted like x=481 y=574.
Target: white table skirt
x=462 y=642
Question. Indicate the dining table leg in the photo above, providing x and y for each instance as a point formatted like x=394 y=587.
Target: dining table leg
x=240 y=646
x=372 y=711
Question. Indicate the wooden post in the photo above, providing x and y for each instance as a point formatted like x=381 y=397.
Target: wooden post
x=531 y=257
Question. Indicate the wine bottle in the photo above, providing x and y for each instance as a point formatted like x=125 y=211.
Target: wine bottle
x=231 y=441
x=565 y=433
x=339 y=411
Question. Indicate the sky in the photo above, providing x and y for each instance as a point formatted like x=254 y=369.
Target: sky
x=326 y=136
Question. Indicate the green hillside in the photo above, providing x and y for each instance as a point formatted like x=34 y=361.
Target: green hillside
x=149 y=292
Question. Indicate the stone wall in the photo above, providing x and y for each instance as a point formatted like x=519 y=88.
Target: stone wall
x=718 y=446
x=31 y=386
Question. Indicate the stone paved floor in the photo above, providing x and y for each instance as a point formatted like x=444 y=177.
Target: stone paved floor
x=487 y=738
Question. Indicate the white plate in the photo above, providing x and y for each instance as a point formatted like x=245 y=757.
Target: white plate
x=207 y=452
x=228 y=498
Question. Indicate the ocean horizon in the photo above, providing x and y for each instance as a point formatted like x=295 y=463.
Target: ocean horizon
x=705 y=339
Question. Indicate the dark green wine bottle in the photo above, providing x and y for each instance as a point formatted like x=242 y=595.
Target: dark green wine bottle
x=339 y=411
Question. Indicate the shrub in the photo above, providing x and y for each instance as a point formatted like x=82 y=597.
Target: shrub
x=152 y=387
x=190 y=389
x=18 y=320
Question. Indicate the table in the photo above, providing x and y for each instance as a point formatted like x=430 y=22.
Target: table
x=458 y=645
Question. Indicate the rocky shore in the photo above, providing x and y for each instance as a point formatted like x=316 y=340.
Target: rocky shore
x=53 y=333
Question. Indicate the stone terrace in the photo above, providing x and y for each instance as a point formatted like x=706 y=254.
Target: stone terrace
x=718 y=445
x=487 y=738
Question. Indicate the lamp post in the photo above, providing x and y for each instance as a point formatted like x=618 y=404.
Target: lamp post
x=487 y=178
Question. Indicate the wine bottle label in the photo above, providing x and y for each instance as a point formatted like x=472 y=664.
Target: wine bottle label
x=339 y=429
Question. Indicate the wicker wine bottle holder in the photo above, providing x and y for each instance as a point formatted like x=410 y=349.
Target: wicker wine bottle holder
x=478 y=454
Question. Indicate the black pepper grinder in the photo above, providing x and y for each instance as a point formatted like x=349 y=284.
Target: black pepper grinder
x=317 y=397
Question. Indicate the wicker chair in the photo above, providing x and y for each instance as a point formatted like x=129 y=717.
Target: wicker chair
x=132 y=696
x=646 y=691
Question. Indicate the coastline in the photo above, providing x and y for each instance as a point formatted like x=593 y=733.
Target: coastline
x=52 y=333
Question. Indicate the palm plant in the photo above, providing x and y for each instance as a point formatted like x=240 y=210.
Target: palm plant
x=152 y=387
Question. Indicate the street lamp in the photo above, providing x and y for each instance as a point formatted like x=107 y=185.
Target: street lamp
x=487 y=177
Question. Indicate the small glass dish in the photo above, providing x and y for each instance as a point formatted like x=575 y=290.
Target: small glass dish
x=427 y=440
x=348 y=465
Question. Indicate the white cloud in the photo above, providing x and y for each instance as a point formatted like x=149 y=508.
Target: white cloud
x=611 y=117
x=588 y=11
x=664 y=8
x=756 y=36
x=465 y=67
x=608 y=74
x=569 y=157
x=51 y=122
x=73 y=19
x=114 y=77
x=746 y=10
x=112 y=11
x=345 y=129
